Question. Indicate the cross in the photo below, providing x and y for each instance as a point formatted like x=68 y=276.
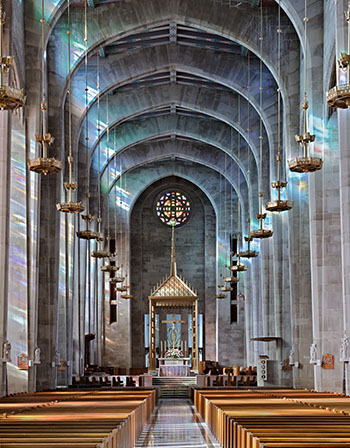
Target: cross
x=173 y=322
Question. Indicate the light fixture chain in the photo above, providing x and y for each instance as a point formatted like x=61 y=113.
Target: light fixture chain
x=261 y=109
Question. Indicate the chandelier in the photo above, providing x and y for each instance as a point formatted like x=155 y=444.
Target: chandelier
x=10 y=97
x=305 y=163
x=339 y=95
x=279 y=205
x=261 y=233
x=70 y=206
x=44 y=165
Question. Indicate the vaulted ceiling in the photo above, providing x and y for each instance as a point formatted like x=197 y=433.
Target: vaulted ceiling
x=173 y=81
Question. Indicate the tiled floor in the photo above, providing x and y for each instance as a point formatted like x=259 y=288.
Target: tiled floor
x=176 y=424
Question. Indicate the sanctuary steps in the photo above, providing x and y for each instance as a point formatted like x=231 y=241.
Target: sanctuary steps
x=94 y=419
x=173 y=386
x=276 y=418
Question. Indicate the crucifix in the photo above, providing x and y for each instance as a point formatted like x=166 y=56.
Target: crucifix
x=173 y=322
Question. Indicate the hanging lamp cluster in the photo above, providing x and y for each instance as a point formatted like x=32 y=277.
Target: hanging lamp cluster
x=100 y=252
x=339 y=95
x=305 y=163
x=87 y=233
x=238 y=266
x=249 y=253
x=70 y=206
x=225 y=288
x=279 y=205
x=231 y=279
x=116 y=279
x=220 y=294
x=261 y=233
x=123 y=289
x=11 y=98
x=44 y=164
x=110 y=266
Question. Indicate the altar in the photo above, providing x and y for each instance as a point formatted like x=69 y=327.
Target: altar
x=174 y=361
x=174 y=370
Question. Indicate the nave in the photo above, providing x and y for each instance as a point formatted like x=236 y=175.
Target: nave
x=217 y=417
x=176 y=423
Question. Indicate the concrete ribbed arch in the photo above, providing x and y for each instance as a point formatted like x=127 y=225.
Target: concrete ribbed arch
x=137 y=179
x=165 y=152
x=147 y=152
x=217 y=104
x=231 y=70
x=136 y=104
x=57 y=7
x=107 y=23
x=187 y=127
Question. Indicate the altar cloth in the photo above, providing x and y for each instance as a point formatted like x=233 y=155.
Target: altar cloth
x=174 y=371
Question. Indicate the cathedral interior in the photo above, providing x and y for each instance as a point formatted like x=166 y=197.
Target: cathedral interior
x=214 y=131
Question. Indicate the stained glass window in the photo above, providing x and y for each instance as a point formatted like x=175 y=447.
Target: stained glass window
x=173 y=208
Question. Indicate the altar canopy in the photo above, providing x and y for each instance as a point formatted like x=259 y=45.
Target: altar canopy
x=173 y=292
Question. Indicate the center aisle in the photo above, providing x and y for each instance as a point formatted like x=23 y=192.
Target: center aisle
x=175 y=423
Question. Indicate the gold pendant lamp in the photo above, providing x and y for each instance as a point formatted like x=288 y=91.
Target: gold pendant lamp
x=114 y=255
x=231 y=279
x=279 y=205
x=223 y=288
x=70 y=206
x=110 y=265
x=44 y=165
x=11 y=98
x=305 y=163
x=99 y=252
x=117 y=279
x=261 y=233
x=339 y=95
x=87 y=233
x=125 y=295
x=249 y=253
x=238 y=266
x=221 y=294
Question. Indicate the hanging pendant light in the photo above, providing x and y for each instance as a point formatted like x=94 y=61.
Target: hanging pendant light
x=238 y=266
x=220 y=294
x=230 y=278
x=70 y=206
x=99 y=252
x=44 y=165
x=109 y=267
x=306 y=163
x=118 y=278
x=261 y=233
x=126 y=295
x=279 y=205
x=87 y=233
x=248 y=239
x=222 y=287
x=10 y=97
x=339 y=95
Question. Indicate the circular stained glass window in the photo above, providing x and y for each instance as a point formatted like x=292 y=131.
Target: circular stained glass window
x=173 y=208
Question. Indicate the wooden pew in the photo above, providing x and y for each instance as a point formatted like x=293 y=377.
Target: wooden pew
x=102 y=419
x=275 y=418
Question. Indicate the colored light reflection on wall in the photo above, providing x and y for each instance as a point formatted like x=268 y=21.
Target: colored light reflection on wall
x=17 y=257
